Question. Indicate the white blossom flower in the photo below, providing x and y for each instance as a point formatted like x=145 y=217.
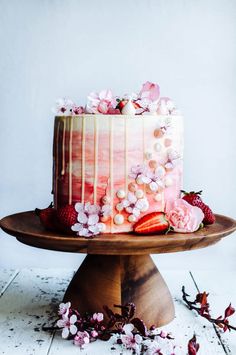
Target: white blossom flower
x=131 y=341
x=154 y=179
x=173 y=158
x=88 y=220
x=64 y=308
x=68 y=325
x=133 y=205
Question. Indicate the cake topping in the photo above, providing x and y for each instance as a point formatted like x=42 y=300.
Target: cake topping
x=119 y=219
x=147 y=101
x=128 y=109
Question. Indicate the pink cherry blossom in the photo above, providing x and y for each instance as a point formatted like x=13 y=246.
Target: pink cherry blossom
x=88 y=220
x=150 y=91
x=138 y=171
x=183 y=217
x=133 y=205
x=129 y=340
x=81 y=339
x=98 y=317
x=172 y=160
x=63 y=107
x=166 y=106
x=68 y=325
x=102 y=102
x=64 y=308
x=154 y=179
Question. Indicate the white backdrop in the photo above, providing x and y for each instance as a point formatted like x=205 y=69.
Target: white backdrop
x=55 y=48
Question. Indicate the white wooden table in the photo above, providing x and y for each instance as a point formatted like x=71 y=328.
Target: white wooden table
x=30 y=297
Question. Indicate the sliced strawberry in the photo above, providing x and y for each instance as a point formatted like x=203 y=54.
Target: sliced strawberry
x=47 y=217
x=122 y=103
x=154 y=222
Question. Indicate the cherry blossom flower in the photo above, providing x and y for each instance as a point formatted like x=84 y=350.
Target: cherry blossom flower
x=173 y=158
x=166 y=106
x=129 y=340
x=81 y=339
x=63 y=107
x=102 y=102
x=138 y=171
x=133 y=205
x=88 y=220
x=105 y=211
x=68 y=325
x=98 y=317
x=66 y=107
x=154 y=179
x=64 y=308
x=148 y=97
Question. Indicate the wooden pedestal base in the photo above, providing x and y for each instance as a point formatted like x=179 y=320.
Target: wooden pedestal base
x=113 y=279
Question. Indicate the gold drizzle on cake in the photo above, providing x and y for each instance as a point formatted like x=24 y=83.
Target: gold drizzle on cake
x=83 y=158
x=96 y=128
x=70 y=158
x=111 y=168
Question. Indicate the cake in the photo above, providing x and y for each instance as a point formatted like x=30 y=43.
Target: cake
x=118 y=159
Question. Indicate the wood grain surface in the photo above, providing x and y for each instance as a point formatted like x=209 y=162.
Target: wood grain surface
x=108 y=280
x=27 y=228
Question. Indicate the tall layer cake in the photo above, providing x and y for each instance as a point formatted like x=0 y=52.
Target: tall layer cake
x=121 y=165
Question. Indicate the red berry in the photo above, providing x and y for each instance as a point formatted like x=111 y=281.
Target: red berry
x=67 y=216
x=151 y=223
x=209 y=217
x=47 y=217
x=194 y=199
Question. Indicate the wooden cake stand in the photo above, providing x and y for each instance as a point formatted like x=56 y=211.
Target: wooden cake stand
x=118 y=268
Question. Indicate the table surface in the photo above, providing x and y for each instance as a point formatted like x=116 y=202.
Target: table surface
x=27 y=228
x=29 y=298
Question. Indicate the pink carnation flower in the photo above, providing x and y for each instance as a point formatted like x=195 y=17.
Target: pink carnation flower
x=102 y=102
x=183 y=217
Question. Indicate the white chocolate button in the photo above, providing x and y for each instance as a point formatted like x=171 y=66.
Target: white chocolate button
x=132 y=218
x=139 y=193
x=168 y=181
x=148 y=154
x=132 y=187
x=118 y=219
x=139 y=180
x=119 y=207
x=158 y=197
x=157 y=147
x=160 y=171
x=103 y=227
x=106 y=200
x=120 y=193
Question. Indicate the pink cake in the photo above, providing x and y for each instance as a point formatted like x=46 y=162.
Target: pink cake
x=124 y=165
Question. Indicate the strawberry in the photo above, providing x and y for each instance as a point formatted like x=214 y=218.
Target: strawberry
x=194 y=199
x=47 y=217
x=123 y=102
x=66 y=216
x=154 y=222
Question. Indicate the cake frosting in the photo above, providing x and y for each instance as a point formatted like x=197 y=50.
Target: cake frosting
x=125 y=164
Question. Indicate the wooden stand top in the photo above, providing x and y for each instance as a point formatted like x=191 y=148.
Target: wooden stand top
x=27 y=228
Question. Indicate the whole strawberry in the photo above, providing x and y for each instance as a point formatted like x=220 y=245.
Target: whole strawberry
x=194 y=199
x=66 y=217
x=47 y=217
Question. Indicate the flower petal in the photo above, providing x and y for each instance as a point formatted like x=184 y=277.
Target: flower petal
x=93 y=219
x=65 y=333
x=82 y=218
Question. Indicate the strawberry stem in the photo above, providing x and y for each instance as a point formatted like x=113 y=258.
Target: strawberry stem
x=191 y=192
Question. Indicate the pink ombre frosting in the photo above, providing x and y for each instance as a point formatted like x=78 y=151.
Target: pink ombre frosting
x=95 y=154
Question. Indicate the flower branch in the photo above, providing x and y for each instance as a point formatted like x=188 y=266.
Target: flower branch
x=202 y=307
